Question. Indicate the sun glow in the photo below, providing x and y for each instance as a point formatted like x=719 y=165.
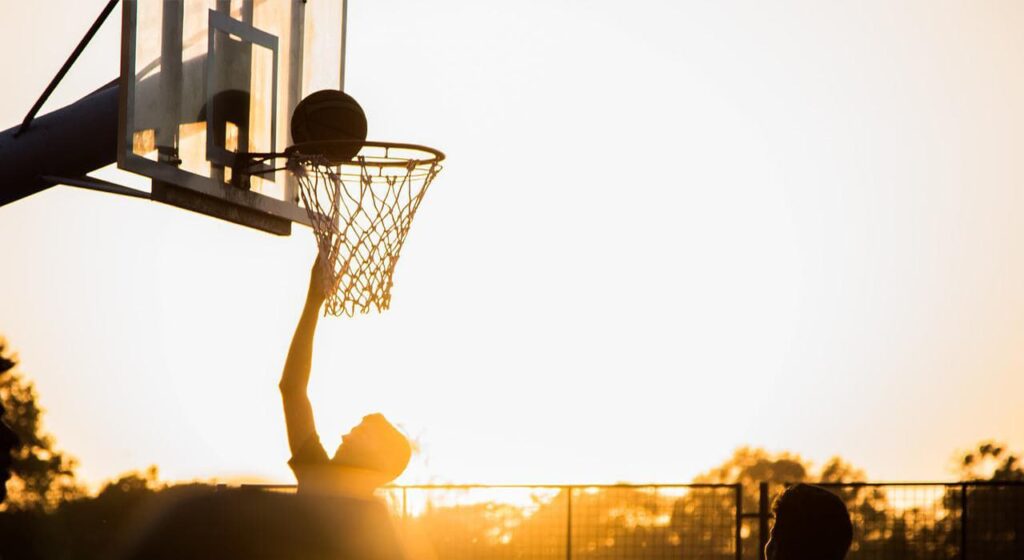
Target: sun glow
x=830 y=224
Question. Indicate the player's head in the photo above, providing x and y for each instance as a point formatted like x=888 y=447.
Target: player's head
x=810 y=523
x=8 y=441
x=375 y=446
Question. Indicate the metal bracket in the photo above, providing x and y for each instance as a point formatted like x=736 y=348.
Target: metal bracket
x=67 y=66
x=94 y=184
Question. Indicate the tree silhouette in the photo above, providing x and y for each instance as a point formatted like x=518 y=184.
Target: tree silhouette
x=43 y=476
x=990 y=460
x=88 y=527
x=50 y=517
x=748 y=466
x=994 y=514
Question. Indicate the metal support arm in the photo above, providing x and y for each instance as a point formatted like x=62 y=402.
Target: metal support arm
x=67 y=66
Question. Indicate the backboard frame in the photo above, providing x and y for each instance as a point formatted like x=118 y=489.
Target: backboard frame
x=223 y=23
x=192 y=191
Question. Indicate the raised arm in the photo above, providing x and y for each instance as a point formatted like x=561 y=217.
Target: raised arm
x=298 y=413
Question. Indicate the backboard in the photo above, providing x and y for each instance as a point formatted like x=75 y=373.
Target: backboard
x=203 y=80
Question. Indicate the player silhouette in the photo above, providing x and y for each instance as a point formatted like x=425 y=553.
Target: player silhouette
x=370 y=455
x=811 y=523
x=334 y=514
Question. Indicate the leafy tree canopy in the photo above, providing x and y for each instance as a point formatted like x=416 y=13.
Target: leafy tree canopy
x=990 y=460
x=43 y=476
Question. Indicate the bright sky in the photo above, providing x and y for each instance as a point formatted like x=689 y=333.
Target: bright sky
x=665 y=229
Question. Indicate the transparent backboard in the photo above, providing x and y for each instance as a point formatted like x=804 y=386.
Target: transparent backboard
x=203 y=80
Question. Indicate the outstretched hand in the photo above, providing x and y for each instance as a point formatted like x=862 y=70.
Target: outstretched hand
x=317 y=283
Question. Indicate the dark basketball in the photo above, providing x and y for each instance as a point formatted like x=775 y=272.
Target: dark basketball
x=327 y=115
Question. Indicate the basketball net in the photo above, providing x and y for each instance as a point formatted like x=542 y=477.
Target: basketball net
x=361 y=211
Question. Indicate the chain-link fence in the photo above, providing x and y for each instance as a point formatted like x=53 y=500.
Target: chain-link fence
x=892 y=521
x=617 y=522
x=935 y=521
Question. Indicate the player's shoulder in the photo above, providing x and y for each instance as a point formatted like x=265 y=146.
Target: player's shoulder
x=311 y=452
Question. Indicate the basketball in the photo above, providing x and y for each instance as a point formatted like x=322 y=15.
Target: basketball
x=327 y=115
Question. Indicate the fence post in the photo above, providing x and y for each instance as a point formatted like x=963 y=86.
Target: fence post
x=568 y=523
x=739 y=521
x=405 y=507
x=963 y=521
x=762 y=518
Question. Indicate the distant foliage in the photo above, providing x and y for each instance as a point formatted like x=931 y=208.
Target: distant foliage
x=990 y=460
x=50 y=517
x=991 y=530
x=43 y=475
x=750 y=466
x=890 y=522
x=87 y=527
x=608 y=523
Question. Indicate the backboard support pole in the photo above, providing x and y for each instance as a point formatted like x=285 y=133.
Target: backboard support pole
x=69 y=142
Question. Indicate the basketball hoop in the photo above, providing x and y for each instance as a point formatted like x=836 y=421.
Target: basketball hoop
x=361 y=210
